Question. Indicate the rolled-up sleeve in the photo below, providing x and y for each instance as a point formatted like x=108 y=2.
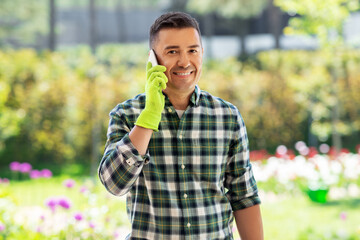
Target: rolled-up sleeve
x=121 y=163
x=239 y=180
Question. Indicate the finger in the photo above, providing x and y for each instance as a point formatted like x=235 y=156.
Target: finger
x=148 y=66
x=157 y=68
x=163 y=84
x=157 y=74
x=159 y=83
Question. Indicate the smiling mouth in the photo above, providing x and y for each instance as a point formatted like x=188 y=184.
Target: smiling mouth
x=183 y=74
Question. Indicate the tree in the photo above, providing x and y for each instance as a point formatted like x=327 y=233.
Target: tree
x=325 y=20
x=274 y=18
x=10 y=118
x=241 y=10
x=22 y=21
x=52 y=25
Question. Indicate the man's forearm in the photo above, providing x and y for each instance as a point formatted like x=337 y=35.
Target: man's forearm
x=249 y=223
x=140 y=138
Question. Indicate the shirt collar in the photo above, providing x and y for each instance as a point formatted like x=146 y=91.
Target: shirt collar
x=194 y=99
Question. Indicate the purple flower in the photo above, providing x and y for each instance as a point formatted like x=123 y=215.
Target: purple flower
x=15 y=166
x=343 y=216
x=35 y=174
x=116 y=234
x=91 y=225
x=78 y=216
x=84 y=189
x=51 y=203
x=25 y=167
x=46 y=173
x=64 y=202
x=2 y=227
x=69 y=183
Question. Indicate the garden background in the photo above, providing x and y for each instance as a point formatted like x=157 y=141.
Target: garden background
x=301 y=108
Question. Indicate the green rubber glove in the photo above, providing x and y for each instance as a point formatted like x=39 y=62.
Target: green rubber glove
x=155 y=100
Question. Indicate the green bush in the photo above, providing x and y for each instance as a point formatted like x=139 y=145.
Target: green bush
x=54 y=106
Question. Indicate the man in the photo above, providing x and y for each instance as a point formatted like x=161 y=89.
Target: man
x=179 y=153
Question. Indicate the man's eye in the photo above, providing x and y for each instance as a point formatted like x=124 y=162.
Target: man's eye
x=172 y=52
x=193 y=51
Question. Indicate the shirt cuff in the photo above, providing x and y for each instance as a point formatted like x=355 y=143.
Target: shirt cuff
x=134 y=159
x=245 y=203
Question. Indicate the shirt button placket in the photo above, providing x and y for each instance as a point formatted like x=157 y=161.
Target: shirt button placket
x=184 y=187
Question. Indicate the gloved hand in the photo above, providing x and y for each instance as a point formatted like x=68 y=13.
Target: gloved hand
x=155 y=100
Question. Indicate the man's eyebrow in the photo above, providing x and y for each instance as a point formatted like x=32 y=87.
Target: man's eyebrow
x=175 y=46
x=171 y=47
x=194 y=46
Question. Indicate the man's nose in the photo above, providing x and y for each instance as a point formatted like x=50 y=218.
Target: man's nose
x=183 y=60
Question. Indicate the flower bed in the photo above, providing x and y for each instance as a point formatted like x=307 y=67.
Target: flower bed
x=312 y=172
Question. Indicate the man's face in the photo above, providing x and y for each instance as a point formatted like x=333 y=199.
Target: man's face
x=180 y=51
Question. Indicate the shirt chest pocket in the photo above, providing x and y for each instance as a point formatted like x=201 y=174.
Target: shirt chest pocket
x=208 y=156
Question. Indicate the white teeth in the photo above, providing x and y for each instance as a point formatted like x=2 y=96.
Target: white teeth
x=183 y=74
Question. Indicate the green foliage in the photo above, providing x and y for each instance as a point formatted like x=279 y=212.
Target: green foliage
x=25 y=214
x=307 y=75
x=52 y=101
x=324 y=19
x=22 y=21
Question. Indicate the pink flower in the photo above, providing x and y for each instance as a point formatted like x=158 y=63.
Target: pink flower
x=91 y=225
x=25 y=167
x=69 y=183
x=46 y=173
x=281 y=151
x=84 y=189
x=2 y=227
x=343 y=216
x=51 y=203
x=64 y=202
x=4 y=181
x=15 y=166
x=78 y=216
x=116 y=234
x=35 y=174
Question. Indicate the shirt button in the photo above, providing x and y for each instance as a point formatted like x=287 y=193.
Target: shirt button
x=185 y=195
x=169 y=109
x=188 y=225
x=180 y=136
x=183 y=166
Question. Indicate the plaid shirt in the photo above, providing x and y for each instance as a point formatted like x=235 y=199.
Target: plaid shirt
x=196 y=171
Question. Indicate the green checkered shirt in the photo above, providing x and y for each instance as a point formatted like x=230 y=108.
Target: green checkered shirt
x=195 y=174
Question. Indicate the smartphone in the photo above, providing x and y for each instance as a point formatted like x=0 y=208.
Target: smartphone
x=152 y=58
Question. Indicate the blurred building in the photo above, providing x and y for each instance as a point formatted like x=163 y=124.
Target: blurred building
x=133 y=25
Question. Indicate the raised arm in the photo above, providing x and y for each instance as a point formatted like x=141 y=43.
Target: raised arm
x=125 y=151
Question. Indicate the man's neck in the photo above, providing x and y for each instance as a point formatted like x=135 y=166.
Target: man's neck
x=179 y=100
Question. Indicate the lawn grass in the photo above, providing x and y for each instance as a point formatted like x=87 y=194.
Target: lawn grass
x=297 y=217
x=284 y=216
